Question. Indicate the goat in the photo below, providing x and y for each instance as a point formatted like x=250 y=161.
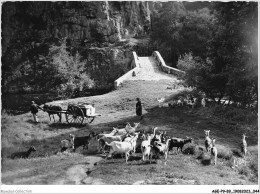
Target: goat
x=122 y=147
x=179 y=143
x=179 y=102
x=160 y=148
x=115 y=130
x=214 y=151
x=65 y=144
x=141 y=137
x=23 y=154
x=244 y=145
x=156 y=137
x=163 y=137
x=123 y=130
x=208 y=144
x=52 y=110
x=81 y=141
x=109 y=139
x=161 y=101
x=130 y=129
x=203 y=102
x=146 y=148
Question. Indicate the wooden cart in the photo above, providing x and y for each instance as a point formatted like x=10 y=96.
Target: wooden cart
x=78 y=113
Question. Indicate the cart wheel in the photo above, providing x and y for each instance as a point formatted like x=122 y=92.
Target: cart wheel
x=90 y=119
x=75 y=115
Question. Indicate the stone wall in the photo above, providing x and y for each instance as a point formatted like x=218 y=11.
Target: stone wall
x=160 y=62
x=135 y=65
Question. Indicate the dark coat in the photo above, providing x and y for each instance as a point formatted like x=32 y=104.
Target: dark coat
x=139 y=108
x=34 y=108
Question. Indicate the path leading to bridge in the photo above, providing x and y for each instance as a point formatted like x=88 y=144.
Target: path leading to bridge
x=150 y=71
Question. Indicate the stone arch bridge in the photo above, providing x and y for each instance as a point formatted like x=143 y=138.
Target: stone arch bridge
x=149 y=68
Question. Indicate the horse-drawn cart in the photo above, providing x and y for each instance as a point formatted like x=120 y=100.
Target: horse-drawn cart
x=75 y=113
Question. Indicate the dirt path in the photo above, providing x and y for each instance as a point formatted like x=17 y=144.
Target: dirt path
x=78 y=174
x=58 y=170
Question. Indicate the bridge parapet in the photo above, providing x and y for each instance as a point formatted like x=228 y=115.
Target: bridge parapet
x=135 y=65
x=160 y=62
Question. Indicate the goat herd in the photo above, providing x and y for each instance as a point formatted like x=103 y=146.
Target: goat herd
x=128 y=140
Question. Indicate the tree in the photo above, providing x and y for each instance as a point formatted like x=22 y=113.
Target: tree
x=65 y=73
x=230 y=67
x=166 y=27
x=177 y=31
x=234 y=49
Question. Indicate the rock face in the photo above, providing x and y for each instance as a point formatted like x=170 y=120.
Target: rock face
x=80 y=22
x=98 y=30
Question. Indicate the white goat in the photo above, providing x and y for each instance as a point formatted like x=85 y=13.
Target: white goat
x=214 y=151
x=203 y=102
x=179 y=102
x=109 y=139
x=115 y=130
x=123 y=130
x=244 y=145
x=208 y=143
x=146 y=148
x=130 y=129
x=122 y=147
x=161 y=101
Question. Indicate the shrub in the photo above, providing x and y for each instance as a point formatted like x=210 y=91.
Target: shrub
x=224 y=153
x=253 y=166
x=204 y=158
x=237 y=152
x=244 y=170
x=192 y=149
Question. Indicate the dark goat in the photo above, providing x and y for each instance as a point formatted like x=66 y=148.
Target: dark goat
x=164 y=137
x=179 y=142
x=52 y=110
x=81 y=141
x=23 y=154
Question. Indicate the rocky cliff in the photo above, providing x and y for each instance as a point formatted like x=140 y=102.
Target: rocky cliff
x=98 y=30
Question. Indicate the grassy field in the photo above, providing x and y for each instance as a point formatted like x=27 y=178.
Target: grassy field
x=48 y=166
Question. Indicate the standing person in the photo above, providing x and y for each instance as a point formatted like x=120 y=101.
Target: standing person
x=139 y=108
x=34 y=111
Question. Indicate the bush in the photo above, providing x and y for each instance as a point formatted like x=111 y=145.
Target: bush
x=244 y=170
x=224 y=153
x=192 y=149
x=253 y=166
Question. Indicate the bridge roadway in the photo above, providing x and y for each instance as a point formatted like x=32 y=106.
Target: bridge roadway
x=150 y=71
